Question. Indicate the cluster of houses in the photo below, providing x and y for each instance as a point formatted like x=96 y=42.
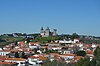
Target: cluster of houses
x=36 y=53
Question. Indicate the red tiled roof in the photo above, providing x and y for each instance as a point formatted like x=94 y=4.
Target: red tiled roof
x=17 y=59
x=33 y=57
x=89 y=52
x=78 y=57
x=87 y=45
x=68 y=55
x=21 y=43
x=1 y=63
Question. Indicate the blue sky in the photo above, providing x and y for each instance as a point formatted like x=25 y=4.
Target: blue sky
x=67 y=16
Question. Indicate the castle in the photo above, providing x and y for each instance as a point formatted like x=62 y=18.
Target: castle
x=46 y=32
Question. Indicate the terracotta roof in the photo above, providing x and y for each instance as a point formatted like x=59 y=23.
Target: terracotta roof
x=7 y=47
x=38 y=42
x=21 y=43
x=87 y=45
x=33 y=57
x=54 y=53
x=17 y=59
x=42 y=58
x=45 y=46
x=78 y=57
x=39 y=57
x=89 y=52
x=67 y=55
x=15 y=50
x=1 y=63
x=3 y=57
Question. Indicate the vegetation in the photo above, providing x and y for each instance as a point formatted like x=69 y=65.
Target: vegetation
x=7 y=64
x=51 y=51
x=90 y=40
x=81 y=53
x=97 y=55
x=46 y=39
x=83 y=62
x=74 y=35
x=55 y=63
x=87 y=62
x=4 y=40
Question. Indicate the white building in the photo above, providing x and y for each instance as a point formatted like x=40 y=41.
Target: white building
x=47 y=32
x=3 y=53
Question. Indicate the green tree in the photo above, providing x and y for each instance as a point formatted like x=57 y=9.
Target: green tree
x=54 y=63
x=46 y=39
x=83 y=62
x=97 y=51
x=74 y=35
x=97 y=56
x=81 y=53
x=93 y=62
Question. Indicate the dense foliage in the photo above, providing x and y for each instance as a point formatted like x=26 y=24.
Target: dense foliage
x=56 y=63
x=81 y=53
x=97 y=56
x=87 y=62
x=46 y=39
x=83 y=62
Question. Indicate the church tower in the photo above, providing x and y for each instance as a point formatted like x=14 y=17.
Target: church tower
x=47 y=32
x=54 y=32
x=42 y=32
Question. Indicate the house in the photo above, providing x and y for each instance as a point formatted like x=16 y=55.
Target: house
x=56 y=48
x=94 y=45
x=0 y=49
x=36 y=59
x=79 y=44
x=47 y=32
x=2 y=58
x=53 y=44
x=67 y=41
x=66 y=51
x=89 y=53
x=21 y=43
x=16 y=60
x=67 y=56
x=76 y=58
x=6 y=63
x=75 y=40
x=64 y=41
x=33 y=45
x=7 y=47
x=4 y=53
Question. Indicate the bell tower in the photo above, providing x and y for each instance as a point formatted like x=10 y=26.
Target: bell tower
x=42 y=33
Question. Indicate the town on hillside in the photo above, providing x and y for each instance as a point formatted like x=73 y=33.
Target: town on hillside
x=48 y=48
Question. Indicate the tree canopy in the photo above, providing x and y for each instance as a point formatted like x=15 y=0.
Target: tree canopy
x=81 y=53
x=83 y=62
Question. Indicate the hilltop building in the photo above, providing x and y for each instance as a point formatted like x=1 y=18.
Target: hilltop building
x=46 y=32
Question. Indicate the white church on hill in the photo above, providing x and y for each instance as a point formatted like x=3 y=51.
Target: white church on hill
x=46 y=32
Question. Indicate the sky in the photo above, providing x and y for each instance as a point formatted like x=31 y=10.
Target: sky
x=67 y=16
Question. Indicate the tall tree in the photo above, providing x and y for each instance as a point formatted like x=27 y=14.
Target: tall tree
x=97 y=55
x=81 y=53
x=74 y=35
x=83 y=62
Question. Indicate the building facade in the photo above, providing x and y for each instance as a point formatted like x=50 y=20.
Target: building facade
x=46 y=32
